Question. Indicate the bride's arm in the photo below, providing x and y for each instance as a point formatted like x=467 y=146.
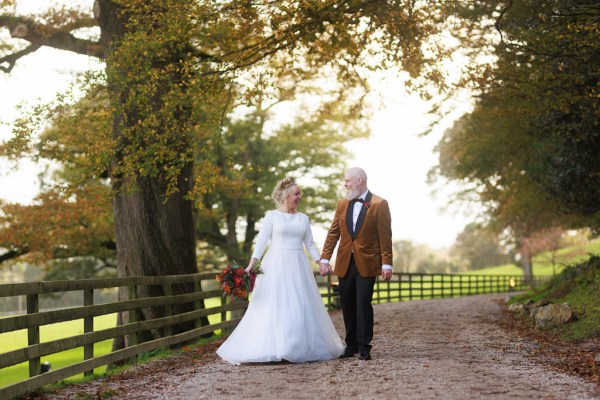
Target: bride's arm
x=309 y=243
x=261 y=241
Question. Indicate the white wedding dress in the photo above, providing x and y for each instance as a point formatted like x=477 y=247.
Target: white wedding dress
x=286 y=318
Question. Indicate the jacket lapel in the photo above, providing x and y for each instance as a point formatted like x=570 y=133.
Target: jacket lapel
x=349 y=211
x=362 y=215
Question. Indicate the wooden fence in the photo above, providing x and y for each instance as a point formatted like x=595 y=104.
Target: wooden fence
x=402 y=287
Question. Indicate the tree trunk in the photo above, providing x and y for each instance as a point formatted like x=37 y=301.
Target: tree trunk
x=154 y=232
x=156 y=237
x=525 y=253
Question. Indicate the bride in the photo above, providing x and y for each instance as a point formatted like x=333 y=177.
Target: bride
x=286 y=318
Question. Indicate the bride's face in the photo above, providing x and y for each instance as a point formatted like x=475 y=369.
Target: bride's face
x=293 y=198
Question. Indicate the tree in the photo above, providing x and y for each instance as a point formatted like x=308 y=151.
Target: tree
x=550 y=55
x=543 y=85
x=170 y=63
x=63 y=227
x=478 y=247
x=420 y=258
x=62 y=230
x=404 y=254
x=490 y=154
x=548 y=241
x=430 y=264
x=526 y=149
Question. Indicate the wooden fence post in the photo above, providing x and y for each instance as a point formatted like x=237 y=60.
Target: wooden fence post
x=88 y=327
x=329 y=291
x=133 y=336
x=168 y=289
x=33 y=333
x=197 y=289
x=224 y=313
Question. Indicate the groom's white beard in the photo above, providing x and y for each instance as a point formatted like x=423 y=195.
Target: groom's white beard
x=352 y=194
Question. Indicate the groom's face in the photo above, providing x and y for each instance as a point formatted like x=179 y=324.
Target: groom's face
x=351 y=185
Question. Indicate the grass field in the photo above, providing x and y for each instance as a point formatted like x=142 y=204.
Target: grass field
x=542 y=265
x=18 y=339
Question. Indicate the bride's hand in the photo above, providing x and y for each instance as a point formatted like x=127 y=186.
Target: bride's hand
x=324 y=269
x=248 y=269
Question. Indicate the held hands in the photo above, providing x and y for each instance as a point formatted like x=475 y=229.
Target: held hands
x=324 y=268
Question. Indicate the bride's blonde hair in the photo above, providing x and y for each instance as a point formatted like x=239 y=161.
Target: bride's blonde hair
x=282 y=189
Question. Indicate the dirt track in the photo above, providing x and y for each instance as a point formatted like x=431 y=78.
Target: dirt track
x=428 y=349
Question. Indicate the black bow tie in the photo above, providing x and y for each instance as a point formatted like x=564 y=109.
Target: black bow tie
x=357 y=200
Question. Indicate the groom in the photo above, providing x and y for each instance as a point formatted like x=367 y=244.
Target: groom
x=362 y=224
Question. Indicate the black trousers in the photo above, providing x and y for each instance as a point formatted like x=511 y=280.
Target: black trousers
x=356 y=294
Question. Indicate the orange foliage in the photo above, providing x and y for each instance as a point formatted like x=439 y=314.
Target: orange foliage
x=55 y=226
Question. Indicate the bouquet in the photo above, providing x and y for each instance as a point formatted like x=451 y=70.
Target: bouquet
x=236 y=283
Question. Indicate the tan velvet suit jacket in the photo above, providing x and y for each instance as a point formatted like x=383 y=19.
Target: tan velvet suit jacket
x=371 y=243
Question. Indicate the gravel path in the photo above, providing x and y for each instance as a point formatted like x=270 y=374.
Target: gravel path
x=428 y=349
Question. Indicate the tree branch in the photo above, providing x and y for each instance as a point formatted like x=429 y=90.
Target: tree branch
x=39 y=35
x=66 y=41
x=9 y=255
x=247 y=54
x=503 y=11
x=11 y=59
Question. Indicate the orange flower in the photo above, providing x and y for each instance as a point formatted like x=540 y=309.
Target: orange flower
x=235 y=282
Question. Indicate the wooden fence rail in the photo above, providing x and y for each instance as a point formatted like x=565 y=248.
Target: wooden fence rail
x=402 y=287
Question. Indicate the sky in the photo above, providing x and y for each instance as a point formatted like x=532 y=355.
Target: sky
x=396 y=157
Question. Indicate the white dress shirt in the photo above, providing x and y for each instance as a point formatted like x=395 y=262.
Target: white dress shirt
x=357 y=208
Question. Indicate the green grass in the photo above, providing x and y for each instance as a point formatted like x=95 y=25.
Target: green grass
x=18 y=339
x=541 y=265
x=577 y=285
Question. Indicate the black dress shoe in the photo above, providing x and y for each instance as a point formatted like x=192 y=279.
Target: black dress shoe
x=348 y=352
x=364 y=355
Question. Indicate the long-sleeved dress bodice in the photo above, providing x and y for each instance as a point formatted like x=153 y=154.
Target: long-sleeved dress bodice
x=285 y=232
x=286 y=318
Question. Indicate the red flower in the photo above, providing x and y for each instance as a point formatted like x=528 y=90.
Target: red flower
x=236 y=283
x=365 y=207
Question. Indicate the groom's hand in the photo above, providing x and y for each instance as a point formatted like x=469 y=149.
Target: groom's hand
x=386 y=274
x=324 y=268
